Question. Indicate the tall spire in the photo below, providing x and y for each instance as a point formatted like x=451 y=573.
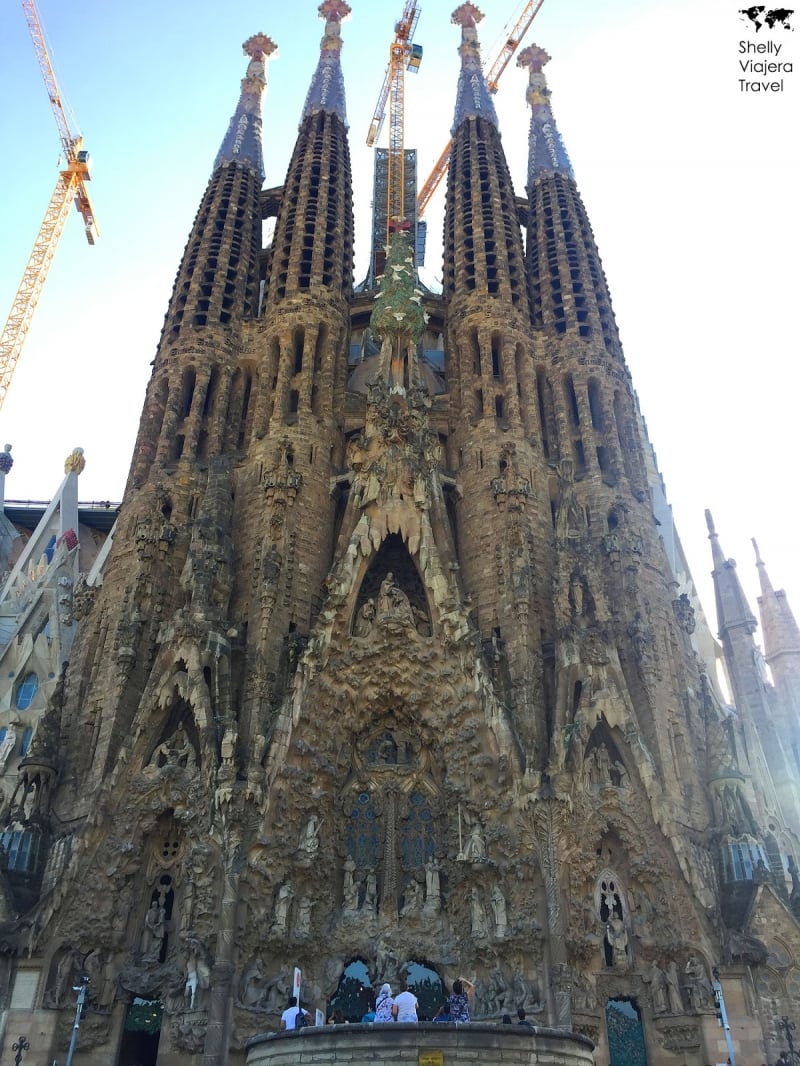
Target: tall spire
x=733 y=610
x=326 y=92
x=473 y=99
x=546 y=151
x=312 y=248
x=781 y=632
x=242 y=142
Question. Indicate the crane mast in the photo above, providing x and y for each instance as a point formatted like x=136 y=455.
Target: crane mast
x=70 y=187
x=492 y=76
x=403 y=55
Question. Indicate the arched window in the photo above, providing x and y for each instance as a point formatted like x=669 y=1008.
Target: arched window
x=26 y=691
x=362 y=831
x=27 y=736
x=417 y=839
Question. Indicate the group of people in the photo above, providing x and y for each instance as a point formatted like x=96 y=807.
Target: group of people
x=400 y=1008
x=403 y=1007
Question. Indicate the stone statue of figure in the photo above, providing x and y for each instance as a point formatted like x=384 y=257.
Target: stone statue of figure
x=365 y=619
x=603 y=761
x=349 y=885
x=498 y=995
x=175 y=751
x=198 y=971
x=658 y=988
x=475 y=848
x=401 y=606
x=303 y=923
x=309 y=838
x=498 y=902
x=154 y=931
x=433 y=891
x=61 y=991
x=674 y=997
x=252 y=988
x=617 y=937
x=371 y=892
x=7 y=746
x=282 y=904
x=412 y=898
x=228 y=746
x=385 y=594
x=477 y=915
x=699 y=985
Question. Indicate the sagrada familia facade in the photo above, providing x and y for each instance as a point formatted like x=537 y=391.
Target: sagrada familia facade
x=389 y=671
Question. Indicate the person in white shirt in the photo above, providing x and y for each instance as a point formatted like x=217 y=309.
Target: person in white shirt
x=289 y=1016
x=405 y=1006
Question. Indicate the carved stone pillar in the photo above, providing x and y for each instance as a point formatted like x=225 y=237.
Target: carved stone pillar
x=548 y=816
x=215 y=1052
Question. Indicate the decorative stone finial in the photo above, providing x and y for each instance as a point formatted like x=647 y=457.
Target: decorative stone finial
x=534 y=57
x=74 y=462
x=334 y=10
x=467 y=15
x=259 y=47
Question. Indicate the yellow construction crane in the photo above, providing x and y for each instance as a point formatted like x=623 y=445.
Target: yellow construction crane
x=403 y=55
x=71 y=186
x=492 y=76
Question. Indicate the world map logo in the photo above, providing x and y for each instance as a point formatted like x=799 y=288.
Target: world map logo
x=760 y=16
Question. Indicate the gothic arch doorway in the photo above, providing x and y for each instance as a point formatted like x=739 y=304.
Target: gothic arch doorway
x=141 y=1033
x=626 y=1046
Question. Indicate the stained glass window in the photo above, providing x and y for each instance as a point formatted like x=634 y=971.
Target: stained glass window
x=417 y=841
x=26 y=690
x=362 y=832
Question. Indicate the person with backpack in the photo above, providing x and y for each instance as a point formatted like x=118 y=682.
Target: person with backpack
x=294 y=1017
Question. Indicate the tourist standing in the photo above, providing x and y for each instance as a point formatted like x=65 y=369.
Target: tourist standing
x=405 y=1006
x=289 y=1019
x=384 y=1005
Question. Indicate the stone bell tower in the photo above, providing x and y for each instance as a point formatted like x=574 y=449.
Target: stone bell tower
x=387 y=676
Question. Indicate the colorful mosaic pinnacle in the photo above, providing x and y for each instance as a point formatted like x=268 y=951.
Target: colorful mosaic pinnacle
x=327 y=86
x=467 y=15
x=533 y=57
x=473 y=98
x=546 y=151
x=242 y=143
x=334 y=10
x=259 y=47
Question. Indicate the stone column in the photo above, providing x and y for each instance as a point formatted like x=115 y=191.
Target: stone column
x=547 y=817
x=215 y=1052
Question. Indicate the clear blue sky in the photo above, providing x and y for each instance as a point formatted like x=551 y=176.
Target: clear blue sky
x=691 y=186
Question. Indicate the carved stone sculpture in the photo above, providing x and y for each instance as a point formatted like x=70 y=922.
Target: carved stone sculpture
x=700 y=990
x=498 y=902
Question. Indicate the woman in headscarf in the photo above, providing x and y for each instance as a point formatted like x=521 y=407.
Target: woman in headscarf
x=384 y=1005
